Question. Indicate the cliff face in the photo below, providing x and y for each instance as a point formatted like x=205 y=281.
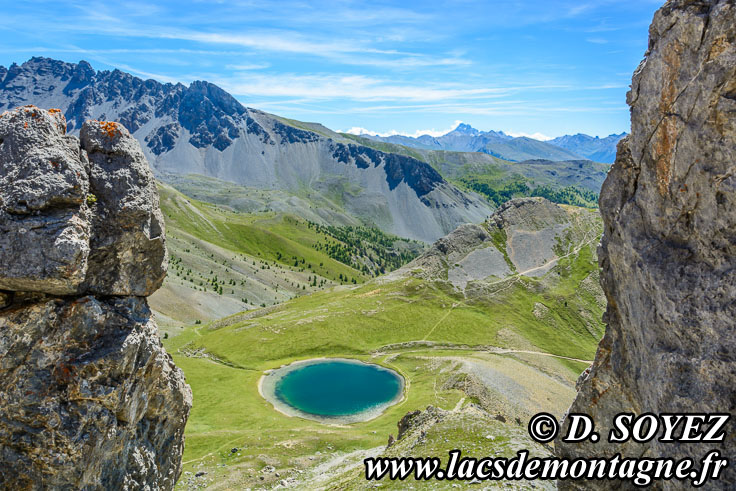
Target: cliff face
x=88 y=396
x=668 y=253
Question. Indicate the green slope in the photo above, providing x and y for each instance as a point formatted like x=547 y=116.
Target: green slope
x=223 y=261
x=422 y=328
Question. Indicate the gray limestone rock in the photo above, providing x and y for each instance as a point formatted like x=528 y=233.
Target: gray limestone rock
x=669 y=248
x=89 y=398
x=77 y=219
x=44 y=221
x=128 y=254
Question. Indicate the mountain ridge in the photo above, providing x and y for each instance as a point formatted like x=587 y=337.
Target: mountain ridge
x=201 y=129
x=515 y=149
x=593 y=148
x=465 y=138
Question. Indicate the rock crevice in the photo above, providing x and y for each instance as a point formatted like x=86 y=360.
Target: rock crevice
x=89 y=398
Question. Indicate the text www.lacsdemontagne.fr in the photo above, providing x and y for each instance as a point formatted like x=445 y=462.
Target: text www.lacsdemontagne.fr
x=640 y=471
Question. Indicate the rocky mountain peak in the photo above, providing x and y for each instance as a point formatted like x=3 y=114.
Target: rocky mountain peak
x=201 y=129
x=465 y=129
x=81 y=246
x=220 y=99
x=668 y=252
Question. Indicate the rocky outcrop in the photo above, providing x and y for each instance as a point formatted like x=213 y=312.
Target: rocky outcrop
x=668 y=253
x=414 y=421
x=89 y=399
x=44 y=219
x=525 y=236
x=77 y=219
x=532 y=214
x=127 y=255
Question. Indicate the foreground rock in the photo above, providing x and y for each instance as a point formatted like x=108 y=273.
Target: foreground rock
x=77 y=220
x=89 y=399
x=44 y=222
x=128 y=256
x=669 y=247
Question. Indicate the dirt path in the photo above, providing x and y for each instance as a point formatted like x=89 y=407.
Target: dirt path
x=440 y=321
x=513 y=278
x=502 y=351
x=575 y=250
x=493 y=350
x=459 y=404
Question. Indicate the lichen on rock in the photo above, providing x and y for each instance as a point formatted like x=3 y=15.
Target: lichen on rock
x=128 y=255
x=89 y=398
x=669 y=247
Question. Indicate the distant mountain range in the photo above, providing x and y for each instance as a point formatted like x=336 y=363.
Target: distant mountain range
x=590 y=147
x=465 y=138
x=411 y=187
x=201 y=129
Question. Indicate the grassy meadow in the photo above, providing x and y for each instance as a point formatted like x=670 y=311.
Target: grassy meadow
x=250 y=290
x=423 y=329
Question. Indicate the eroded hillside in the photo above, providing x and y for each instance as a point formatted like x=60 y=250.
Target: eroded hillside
x=224 y=261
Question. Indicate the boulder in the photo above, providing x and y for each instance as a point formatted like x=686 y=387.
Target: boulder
x=77 y=219
x=44 y=220
x=128 y=255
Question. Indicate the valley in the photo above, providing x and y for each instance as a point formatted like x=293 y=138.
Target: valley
x=205 y=284
x=484 y=351
x=471 y=272
x=222 y=261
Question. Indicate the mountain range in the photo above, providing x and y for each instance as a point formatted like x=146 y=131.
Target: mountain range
x=201 y=129
x=465 y=138
x=590 y=147
x=411 y=187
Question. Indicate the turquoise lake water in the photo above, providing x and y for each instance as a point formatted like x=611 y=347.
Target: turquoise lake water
x=338 y=388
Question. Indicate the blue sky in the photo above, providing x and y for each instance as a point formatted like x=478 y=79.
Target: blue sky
x=524 y=67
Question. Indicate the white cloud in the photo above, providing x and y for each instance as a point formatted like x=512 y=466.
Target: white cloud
x=350 y=87
x=357 y=52
x=251 y=66
x=579 y=9
x=536 y=136
x=356 y=130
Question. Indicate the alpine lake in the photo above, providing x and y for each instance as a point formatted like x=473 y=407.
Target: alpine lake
x=332 y=391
